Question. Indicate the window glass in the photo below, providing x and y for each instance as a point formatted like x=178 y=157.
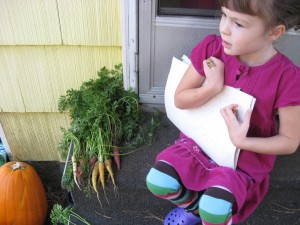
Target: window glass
x=188 y=7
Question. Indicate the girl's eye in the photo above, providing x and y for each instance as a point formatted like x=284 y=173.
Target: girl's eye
x=238 y=24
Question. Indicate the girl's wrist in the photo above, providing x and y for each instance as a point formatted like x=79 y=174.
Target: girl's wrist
x=214 y=88
x=241 y=143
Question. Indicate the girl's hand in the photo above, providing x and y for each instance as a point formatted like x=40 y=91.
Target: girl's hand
x=237 y=129
x=214 y=72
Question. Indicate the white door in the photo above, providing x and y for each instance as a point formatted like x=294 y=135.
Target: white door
x=161 y=29
x=168 y=28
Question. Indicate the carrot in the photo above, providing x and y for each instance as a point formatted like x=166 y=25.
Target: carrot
x=101 y=168
x=95 y=174
x=102 y=174
x=108 y=167
x=93 y=160
x=116 y=154
x=74 y=163
x=79 y=174
x=81 y=162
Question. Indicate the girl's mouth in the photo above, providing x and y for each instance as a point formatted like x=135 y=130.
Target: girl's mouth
x=226 y=44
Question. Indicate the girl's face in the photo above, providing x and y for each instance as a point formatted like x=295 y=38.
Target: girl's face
x=244 y=36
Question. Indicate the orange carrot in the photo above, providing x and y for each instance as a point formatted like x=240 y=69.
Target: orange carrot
x=74 y=163
x=108 y=167
x=116 y=154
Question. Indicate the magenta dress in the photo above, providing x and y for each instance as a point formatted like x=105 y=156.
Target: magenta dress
x=274 y=85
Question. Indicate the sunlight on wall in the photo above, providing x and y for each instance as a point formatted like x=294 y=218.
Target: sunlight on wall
x=34 y=136
x=33 y=78
x=46 y=48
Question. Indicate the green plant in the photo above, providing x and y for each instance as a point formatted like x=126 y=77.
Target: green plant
x=103 y=116
x=60 y=215
x=68 y=178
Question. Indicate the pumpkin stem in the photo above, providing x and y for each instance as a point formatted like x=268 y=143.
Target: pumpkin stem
x=17 y=166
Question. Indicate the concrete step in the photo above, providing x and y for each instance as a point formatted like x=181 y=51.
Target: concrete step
x=133 y=204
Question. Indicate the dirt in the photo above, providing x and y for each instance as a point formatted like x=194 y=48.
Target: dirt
x=50 y=173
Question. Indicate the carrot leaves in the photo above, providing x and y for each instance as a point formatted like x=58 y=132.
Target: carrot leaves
x=103 y=115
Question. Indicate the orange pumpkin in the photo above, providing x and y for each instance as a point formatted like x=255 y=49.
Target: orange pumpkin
x=22 y=195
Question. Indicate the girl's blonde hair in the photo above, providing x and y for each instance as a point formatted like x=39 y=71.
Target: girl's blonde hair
x=273 y=12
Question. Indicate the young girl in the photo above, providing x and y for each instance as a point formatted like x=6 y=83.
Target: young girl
x=242 y=57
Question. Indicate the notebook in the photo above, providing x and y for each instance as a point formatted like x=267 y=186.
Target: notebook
x=205 y=125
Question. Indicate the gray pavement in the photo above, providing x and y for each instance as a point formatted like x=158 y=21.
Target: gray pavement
x=132 y=204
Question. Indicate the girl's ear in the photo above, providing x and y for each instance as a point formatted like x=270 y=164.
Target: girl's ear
x=276 y=32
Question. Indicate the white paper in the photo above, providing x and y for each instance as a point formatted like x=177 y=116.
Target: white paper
x=205 y=125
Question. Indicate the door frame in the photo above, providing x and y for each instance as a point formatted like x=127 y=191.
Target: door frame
x=138 y=55
x=149 y=22
x=129 y=11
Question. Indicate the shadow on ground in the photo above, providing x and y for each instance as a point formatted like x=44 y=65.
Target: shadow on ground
x=134 y=205
x=50 y=173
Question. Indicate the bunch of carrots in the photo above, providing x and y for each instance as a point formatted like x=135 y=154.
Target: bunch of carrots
x=103 y=116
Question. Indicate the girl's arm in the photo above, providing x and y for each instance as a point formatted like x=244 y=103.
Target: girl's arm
x=286 y=142
x=190 y=93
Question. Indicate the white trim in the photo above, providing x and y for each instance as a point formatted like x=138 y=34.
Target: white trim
x=293 y=32
x=5 y=143
x=192 y=22
x=129 y=10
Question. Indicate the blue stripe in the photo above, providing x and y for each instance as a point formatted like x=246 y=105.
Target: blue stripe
x=184 y=198
x=160 y=179
x=215 y=206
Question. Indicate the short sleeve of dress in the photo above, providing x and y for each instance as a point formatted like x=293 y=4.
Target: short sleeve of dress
x=288 y=93
x=201 y=52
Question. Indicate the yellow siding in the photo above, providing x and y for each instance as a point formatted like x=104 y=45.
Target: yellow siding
x=68 y=22
x=46 y=48
x=94 y=23
x=34 y=136
x=34 y=77
x=29 y=22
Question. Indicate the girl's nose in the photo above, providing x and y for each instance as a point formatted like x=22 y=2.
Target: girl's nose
x=224 y=27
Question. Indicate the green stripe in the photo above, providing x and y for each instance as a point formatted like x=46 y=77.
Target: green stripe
x=215 y=219
x=160 y=190
x=184 y=198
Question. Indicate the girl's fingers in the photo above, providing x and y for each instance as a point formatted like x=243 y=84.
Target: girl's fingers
x=229 y=112
x=247 y=116
x=205 y=66
x=237 y=129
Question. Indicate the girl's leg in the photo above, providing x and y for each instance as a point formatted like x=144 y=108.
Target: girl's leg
x=215 y=206
x=164 y=182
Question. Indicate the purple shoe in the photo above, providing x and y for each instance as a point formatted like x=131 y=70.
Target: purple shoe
x=179 y=216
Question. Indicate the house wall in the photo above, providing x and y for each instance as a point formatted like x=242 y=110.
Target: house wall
x=46 y=48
